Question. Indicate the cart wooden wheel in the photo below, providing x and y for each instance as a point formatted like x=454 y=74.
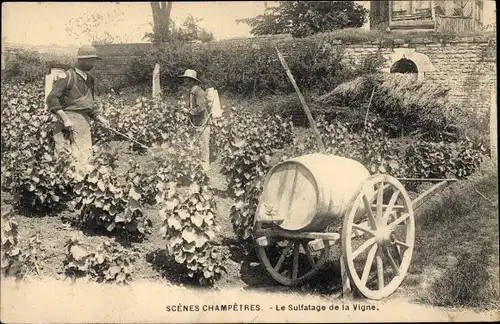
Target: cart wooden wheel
x=289 y=261
x=378 y=226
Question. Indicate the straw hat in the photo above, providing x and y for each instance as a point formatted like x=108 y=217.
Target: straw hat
x=190 y=74
x=87 y=51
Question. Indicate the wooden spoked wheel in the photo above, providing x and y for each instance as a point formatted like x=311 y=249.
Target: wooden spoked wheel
x=378 y=237
x=289 y=261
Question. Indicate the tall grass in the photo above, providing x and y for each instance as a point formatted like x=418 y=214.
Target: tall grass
x=458 y=234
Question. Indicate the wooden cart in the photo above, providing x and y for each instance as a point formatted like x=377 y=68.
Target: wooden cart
x=312 y=203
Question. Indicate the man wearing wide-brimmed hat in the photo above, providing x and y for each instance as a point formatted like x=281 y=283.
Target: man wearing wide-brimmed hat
x=72 y=100
x=200 y=112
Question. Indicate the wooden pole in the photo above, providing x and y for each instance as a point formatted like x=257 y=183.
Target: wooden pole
x=303 y=101
x=346 y=282
x=493 y=123
x=368 y=109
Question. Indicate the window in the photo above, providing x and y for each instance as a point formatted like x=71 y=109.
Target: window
x=412 y=8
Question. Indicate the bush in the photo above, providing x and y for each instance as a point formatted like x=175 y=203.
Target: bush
x=109 y=263
x=16 y=260
x=29 y=167
x=25 y=65
x=251 y=69
x=252 y=140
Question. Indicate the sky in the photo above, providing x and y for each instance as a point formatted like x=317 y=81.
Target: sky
x=43 y=23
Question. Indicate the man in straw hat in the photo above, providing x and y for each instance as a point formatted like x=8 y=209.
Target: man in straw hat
x=200 y=112
x=72 y=100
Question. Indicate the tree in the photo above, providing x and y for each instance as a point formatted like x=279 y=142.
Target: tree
x=191 y=31
x=92 y=28
x=188 y=31
x=304 y=18
x=161 y=21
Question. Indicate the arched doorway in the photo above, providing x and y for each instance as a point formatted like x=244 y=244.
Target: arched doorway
x=404 y=65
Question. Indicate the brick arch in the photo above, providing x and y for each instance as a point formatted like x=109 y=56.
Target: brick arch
x=422 y=61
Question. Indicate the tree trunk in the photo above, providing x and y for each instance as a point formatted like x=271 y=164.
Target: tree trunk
x=161 y=17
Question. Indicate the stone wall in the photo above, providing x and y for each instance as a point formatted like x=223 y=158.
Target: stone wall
x=466 y=64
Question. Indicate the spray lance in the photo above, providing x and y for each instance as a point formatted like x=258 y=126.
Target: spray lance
x=125 y=136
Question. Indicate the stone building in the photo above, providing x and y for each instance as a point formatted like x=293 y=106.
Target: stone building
x=437 y=15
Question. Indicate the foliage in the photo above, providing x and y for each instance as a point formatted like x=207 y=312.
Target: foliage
x=370 y=145
x=124 y=179
x=29 y=167
x=439 y=159
x=188 y=31
x=109 y=263
x=188 y=224
x=316 y=65
x=45 y=185
x=149 y=121
x=191 y=31
x=93 y=28
x=302 y=19
x=15 y=260
x=11 y=254
x=169 y=174
x=28 y=65
x=251 y=141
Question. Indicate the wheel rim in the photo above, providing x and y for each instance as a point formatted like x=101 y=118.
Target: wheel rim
x=289 y=261
x=378 y=237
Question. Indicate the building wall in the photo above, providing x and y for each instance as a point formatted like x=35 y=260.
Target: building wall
x=116 y=61
x=467 y=64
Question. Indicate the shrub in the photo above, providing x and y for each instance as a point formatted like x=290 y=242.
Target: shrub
x=252 y=141
x=188 y=224
x=109 y=263
x=29 y=167
x=26 y=65
x=17 y=261
x=251 y=69
x=11 y=254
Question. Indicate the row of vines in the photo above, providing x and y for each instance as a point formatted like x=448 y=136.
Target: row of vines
x=125 y=180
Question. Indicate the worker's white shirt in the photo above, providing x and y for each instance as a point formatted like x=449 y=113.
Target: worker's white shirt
x=81 y=73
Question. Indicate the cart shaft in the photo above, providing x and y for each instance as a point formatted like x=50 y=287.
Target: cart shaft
x=296 y=235
x=427 y=194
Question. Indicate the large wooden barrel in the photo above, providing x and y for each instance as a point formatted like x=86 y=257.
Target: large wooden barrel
x=310 y=192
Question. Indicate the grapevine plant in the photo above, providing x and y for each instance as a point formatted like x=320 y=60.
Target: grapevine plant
x=16 y=260
x=109 y=263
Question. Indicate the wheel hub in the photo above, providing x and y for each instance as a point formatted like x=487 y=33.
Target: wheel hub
x=386 y=236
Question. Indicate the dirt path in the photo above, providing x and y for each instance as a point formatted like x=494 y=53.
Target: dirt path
x=56 y=301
